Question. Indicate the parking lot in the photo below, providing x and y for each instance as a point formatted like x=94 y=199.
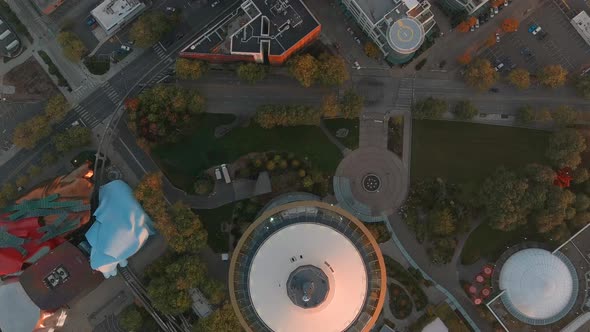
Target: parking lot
x=561 y=44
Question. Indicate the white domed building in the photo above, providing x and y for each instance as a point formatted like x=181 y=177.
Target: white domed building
x=306 y=266
x=540 y=290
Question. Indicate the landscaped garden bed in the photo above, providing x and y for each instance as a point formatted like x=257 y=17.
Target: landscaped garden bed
x=396 y=271
x=399 y=302
x=338 y=127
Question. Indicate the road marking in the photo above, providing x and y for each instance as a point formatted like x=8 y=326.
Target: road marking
x=133 y=156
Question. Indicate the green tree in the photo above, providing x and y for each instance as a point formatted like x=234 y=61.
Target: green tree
x=8 y=192
x=580 y=175
x=580 y=220
x=330 y=107
x=501 y=196
x=539 y=173
x=223 y=319
x=203 y=186
x=304 y=68
x=465 y=110
x=520 y=78
x=22 y=181
x=190 y=69
x=269 y=116
x=480 y=74
x=565 y=147
x=48 y=158
x=56 y=109
x=251 y=72
x=73 y=137
x=429 y=108
x=190 y=235
x=564 y=116
x=307 y=182
x=71 y=45
x=351 y=104
x=442 y=222
x=27 y=134
x=525 y=115
x=34 y=171
x=332 y=70
x=372 y=51
x=130 y=319
x=582 y=202
x=553 y=76
x=149 y=28
x=582 y=85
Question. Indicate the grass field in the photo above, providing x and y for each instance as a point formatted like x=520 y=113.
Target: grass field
x=467 y=153
x=352 y=140
x=212 y=219
x=184 y=160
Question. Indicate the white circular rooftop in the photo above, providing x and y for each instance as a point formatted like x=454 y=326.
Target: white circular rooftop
x=538 y=284
x=308 y=244
x=406 y=35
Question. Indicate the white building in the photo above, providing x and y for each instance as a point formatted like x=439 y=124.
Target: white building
x=581 y=23
x=111 y=15
x=397 y=27
x=470 y=6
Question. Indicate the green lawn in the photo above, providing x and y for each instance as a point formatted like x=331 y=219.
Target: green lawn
x=212 y=220
x=352 y=140
x=490 y=243
x=184 y=160
x=467 y=153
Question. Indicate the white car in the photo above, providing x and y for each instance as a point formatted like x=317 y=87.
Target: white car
x=125 y=48
x=537 y=30
x=171 y=9
x=357 y=65
x=495 y=10
x=215 y=4
x=500 y=66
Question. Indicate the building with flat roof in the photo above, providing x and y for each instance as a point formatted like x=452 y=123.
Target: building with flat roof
x=470 y=6
x=112 y=15
x=541 y=290
x=10 y=45
x=581 y=23
x=397 y=27
x=263 y=31
x=47 y=6
x=306 y=266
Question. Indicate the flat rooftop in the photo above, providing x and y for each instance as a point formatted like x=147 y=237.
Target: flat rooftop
x=378 y=9
x=111 y=12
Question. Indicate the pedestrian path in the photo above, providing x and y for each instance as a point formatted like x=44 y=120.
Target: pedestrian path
x=81 y=92
x=111 y=93
x=405 y=96
x=88 y=119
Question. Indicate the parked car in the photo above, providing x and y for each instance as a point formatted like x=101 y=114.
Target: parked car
x=537 y=30
x=491 y=12
x=90 y=21
x=357 y=65
x=357 y=39
x=495 y=10
x=532 y=27
x=125 y=48
x=170 y=9
x=215 y=3
x=477 y=23
x=499 y=67
x=505 y=3
x=497 y=37
x=472 y=28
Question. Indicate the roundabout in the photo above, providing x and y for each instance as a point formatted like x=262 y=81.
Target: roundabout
x=371 y=182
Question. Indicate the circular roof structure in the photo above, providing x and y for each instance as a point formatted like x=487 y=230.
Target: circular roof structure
x=406 y=35
x=538 y=286
x=307 y=266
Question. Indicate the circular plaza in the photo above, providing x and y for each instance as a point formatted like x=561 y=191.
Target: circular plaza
x=307 y=266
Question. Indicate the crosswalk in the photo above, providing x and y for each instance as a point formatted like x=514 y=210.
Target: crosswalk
x=405 y=96
x=84 y=89
x=161 y=52
x=88 y=119
x=111 y=93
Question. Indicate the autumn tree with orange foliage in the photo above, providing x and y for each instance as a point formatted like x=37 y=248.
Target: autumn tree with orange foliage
x=463 y=26
x=490 y=41
x=520 y=78
x=553 y=76
x=510 y=25
x=465 y=58
x=496 y=3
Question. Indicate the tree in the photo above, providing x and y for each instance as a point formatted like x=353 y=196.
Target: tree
x=332 y=70
x=520 y=78
x=510 y=25
x=582 y=85
x=308 y=182
x=564 y=116
x=149 y=28
x=580 y=220
x=442 y=222
x=27 y=134
x=8 y=192
x=553 y=76
x=73 y=137
x=502 y=196
x=270 y=116
x=539 y=173
x=480 y=74
x=190 y=69
x=464 y=58
x=304 y=68
x=56 y=109
x=330 y=107
x=130 y=319
x=463 y=26
x=429 y=108
x=580 y=175
x=351 y=104
x=223 y=319
x=525 y=115
x=251 y=72
x=564 y=148
x=372 y=51
x=71 y=45
x=465 y=110
x=582 y=202
x=48 y=158
x=22 y=181
x=34 y=171
x=203 y=186
x=189 y=233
